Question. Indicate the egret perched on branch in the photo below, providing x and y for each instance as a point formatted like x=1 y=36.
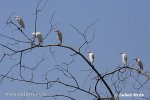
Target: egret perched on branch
x=59 y=34
x=124 y=58
x=91 y=57
x=20 y=21
x=139 y=62
x=39 y=37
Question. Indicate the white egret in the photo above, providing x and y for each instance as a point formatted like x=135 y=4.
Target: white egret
x=59 y=34
x=39 y=37
x=124 y=58
x=139 y=62
x=20 y=21
x=91 y=57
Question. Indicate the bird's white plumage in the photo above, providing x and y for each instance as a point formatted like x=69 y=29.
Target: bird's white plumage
x=39 y=37
x=91 y=57
x=124 y=58
x=34 y=34
x=20 y=21
x=59 y=34
x=139 y=62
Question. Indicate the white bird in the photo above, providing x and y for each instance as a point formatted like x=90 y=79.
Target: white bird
x=39 y=37
x=91 y=57
x=139 y=62
x=59 y=34
x=124 y=58
x=20 y=21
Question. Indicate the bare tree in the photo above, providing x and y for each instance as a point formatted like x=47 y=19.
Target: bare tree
x=97 y=85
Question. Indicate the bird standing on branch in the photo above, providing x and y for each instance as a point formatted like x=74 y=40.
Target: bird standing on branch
x=39 y=37
x=91 y=57
x=20 y=21
x=59 y=34
x=139 y=62
x=124 y=58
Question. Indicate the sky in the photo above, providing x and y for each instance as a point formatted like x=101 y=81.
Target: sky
x=123 y=25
